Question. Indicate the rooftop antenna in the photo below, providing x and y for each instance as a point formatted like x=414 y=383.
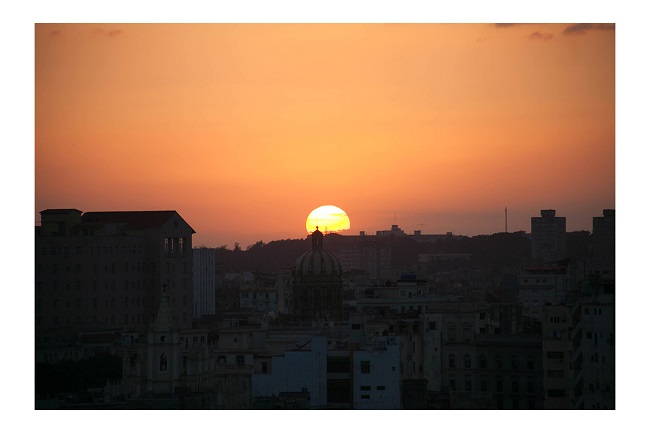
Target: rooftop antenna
x=506 y=219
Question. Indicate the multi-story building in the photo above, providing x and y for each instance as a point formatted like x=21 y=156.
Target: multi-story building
x=303 y=369
x=368 y=254
x=376 y=376
x=548 y=237
x=101 y=271
x=556 y=353
x=593 y=356
x=204 y=284
x=541 y=285
x=604 y=244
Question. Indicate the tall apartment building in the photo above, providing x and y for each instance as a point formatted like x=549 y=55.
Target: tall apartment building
x=204 y=282
x=557 y=349
x=369 y=255
x=593 y=355
x=548 y=237
x=99 y=271
x=604 y=244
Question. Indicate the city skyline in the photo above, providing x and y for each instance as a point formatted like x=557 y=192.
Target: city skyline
x=244 y=129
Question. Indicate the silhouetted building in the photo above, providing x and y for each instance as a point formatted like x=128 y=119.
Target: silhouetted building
x=541 y=285
x=548 y=237
x=592 y=339
x=556 y=348
x=106 y=270
x=604 y=244
x=317 y=287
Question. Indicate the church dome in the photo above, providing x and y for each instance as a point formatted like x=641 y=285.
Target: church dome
x=317 y=261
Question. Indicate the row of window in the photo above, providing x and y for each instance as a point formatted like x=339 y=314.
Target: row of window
x=483 y=385
x=174 y=246
x=369 y=388
x=498 y=361
x=133 y=285
x=135 y=302
x=135 y=320
x=108 y=250
x=58 y=268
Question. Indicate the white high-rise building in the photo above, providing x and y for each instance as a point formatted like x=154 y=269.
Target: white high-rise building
x=204 y=284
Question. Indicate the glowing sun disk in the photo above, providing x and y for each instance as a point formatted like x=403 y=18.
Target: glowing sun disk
x=327 y=218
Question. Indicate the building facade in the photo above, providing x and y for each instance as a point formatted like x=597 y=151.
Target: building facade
x=604 y=244
x=99 y=271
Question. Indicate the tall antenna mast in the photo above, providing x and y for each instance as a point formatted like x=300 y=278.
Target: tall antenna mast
x=506 y=219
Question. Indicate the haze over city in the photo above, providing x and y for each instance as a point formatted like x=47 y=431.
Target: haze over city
x=245 y=129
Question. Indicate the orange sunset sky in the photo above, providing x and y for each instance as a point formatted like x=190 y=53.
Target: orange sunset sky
x=245 y=129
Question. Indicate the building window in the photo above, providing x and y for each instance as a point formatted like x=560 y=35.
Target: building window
x=467 y=361
x=483 y=361
x=381 y=388
x=451 y=332
x=365 y=367
x=452 y=361
x=531 y=386
x=513 y=362
x=240 y=360
x=365 y=388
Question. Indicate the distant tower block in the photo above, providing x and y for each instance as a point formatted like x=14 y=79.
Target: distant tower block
x=548 y=237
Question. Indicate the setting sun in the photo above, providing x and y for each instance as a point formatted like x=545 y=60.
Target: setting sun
x=327 y=218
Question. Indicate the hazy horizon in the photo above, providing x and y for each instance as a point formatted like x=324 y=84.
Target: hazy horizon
x=244 y=129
